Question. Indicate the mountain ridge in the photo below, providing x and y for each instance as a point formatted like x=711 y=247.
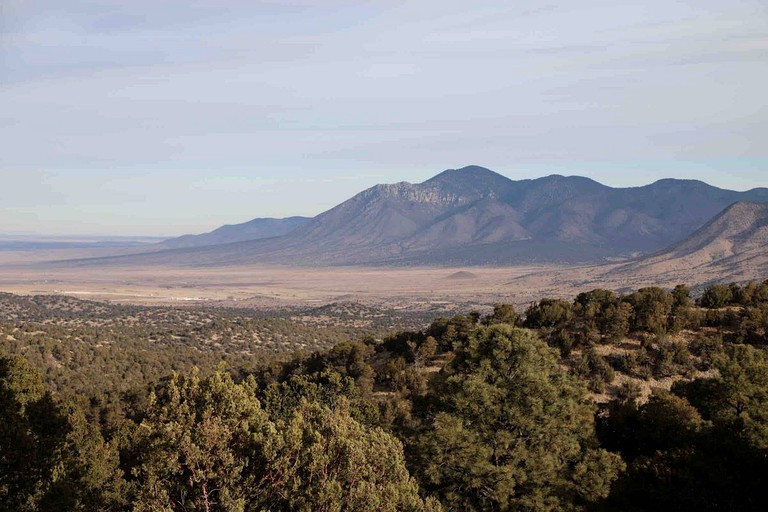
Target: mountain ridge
x=254 y=229
x=475 y=216
x=739 y=229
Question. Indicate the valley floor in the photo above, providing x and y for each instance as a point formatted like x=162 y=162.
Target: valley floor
x=257 y=286
x=421 y=288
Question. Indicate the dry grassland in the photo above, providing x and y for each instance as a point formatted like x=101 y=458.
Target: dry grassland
x=419 y=287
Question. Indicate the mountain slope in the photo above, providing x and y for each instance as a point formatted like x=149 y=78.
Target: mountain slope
x=476 y=216
x=734 y=243
x=252 y=230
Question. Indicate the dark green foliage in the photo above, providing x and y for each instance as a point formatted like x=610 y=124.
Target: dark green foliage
x=753 y=325
x=716 y=296
x=423 y=352
x=200 y=446
x=403 y=378
x=597 y=298
x=548 y=313
x=707 y=348
x=349 y=359
x=450 y=332
x=511 y=430
x=664 y=422
x=737 y=399
x=748 y=295
x=505 y=425
x=595 y=315
x=681 y=297
x=329 y=462
x=31 y=432
x=89 y=476
x=209 y=445
x=652 y=308
x=50 y=459
x=563 y=341
x=704 y=449
x=401 y=343
x=638 y=363
x=672 y=358
x=617 y=320
x=595 y=369
x=502 y=314
x=326 y=387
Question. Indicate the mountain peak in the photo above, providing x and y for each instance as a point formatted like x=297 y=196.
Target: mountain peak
x=559 y=179
x=472 y=180
x=470 y=172
x=678 y=184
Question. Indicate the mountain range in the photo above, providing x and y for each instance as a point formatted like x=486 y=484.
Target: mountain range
x=468 y=216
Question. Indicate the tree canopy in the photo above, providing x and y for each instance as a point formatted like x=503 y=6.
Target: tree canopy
x=512 y=430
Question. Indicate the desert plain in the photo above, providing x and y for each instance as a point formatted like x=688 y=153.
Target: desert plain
x=35 y=272
x=27 y=273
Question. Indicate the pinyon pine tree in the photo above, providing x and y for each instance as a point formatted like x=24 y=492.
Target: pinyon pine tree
x=512 y=430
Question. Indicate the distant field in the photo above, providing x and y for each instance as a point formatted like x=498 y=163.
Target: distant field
x=272 y=286
x=421 y=288
x=23 y=272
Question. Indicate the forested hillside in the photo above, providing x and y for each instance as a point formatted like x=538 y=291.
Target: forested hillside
x=94 y=348
x=643 y=401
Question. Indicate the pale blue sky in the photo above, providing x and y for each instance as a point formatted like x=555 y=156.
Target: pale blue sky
x=164 y=117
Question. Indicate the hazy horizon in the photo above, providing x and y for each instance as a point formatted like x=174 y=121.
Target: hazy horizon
x=166 y=118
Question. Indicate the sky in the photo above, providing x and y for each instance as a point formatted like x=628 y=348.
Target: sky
x=149 y=117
